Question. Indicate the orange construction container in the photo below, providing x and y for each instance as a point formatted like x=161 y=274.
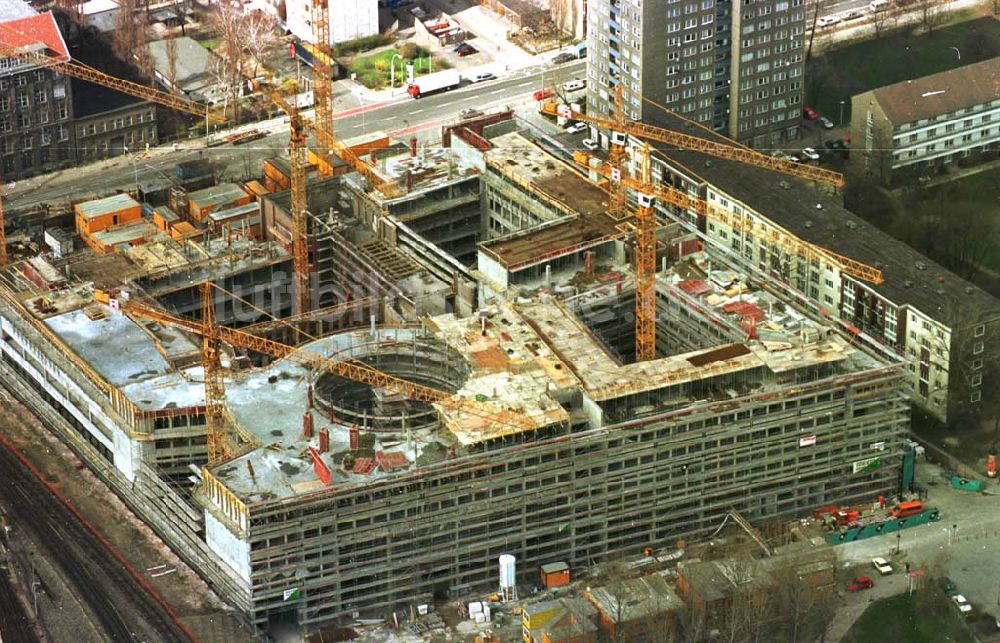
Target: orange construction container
x=218 y=197
x=555 y=574
x=101 y=214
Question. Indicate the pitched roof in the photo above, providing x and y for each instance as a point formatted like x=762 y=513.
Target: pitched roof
x=947 y=91
x=30 y=32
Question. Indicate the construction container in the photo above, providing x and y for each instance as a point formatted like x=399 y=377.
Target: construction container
x=100 y=214
x=183 y=230
x=164 y=217
x=277 y=174
x=255 y=189
x=337 y=164
x=965 y=484
x=121 y=236
x=219 y=197
x=192 y=169
x=555 y=574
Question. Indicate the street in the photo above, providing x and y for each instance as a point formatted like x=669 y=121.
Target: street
x=400 y=116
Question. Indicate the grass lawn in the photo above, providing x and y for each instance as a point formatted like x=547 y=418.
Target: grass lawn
x=210 y=44
x=901 y=618
x=972 y=197
x=373 y=71
x=842 y=72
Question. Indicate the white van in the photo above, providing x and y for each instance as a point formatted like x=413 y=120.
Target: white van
x=574 y=85
x=878 y=5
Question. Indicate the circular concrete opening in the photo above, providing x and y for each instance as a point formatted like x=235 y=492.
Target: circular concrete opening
x=425 y=361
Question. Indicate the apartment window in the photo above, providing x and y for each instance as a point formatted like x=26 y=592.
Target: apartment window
x=976 y=396
x=977 y=348
x=977 y=379
x=24 y=120
x=5 y=124
x=980 y=330
x=27 y=143
x=21 y=81
x=62 y=112
x=4 y=103
x=22 y=99
x=40 y=96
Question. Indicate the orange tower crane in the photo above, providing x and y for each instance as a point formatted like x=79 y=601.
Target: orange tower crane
x=645 y=266
x=322 y=83
x=3 y=232
x=775 y=235
x=215 y=387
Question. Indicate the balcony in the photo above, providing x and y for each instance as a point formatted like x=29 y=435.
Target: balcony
x=615 y=25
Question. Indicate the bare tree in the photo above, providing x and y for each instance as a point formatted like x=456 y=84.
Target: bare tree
x=170 y=49
x=229 y=22
x=561 y=11
x=879 y=17
x=131 y=36
x=931 y=15
x=812 y=29
x=261 y=33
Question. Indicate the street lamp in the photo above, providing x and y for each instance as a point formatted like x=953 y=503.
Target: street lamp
x=135 y=169
x=841 y=113
x=392 y=72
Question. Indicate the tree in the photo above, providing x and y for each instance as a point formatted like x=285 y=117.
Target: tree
x=229 y=22
x=812 y=30
x=131 y=37
x=170 y=49
x=879 y=17
x=931 y=15
x=561 y=11
x=261 y=34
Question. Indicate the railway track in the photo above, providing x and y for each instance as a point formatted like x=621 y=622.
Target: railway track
x=15 y=627
x=98 y=578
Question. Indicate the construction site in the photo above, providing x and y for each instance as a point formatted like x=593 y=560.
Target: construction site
x=359 y=381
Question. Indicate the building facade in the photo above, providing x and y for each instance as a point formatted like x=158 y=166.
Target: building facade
x=129 y=127
x=349 y=19
x=914 y=128
x=945 y=326
x=36 y=134
x=736 y=68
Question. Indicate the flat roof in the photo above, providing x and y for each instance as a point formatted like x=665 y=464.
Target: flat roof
x=791 y=203
x=221 y=193
x=107 y=205
x=125 y=232
x=241 y=210
x=587 y=221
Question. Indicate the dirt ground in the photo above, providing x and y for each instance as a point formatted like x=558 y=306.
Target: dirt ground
x=191 y=598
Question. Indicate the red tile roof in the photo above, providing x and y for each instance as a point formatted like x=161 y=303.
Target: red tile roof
x=32 y=30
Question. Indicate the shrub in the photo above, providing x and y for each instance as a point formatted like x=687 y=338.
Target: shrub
x=365 y=43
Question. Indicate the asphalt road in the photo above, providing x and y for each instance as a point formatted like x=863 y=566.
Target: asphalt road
x=402 y=116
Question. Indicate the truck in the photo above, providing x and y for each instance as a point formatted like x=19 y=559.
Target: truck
x=436 y=82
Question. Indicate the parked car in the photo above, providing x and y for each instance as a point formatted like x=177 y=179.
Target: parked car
x=470 y=112
x=825 y=122
x=458 y=45
x=860 y=583
x=590 y=144
x=810 y=154
x=564 y=57
x=575 y=128
x=466 y=50
x=809 y=113
x=853 y=14
x=878 y=5
x=826 y=21
x=962 y=604
x=574 y=85
x=882 y=566
x=948 y=587
x=779 y=154
x=794 y=158
x=542 y=94
x=483 y=76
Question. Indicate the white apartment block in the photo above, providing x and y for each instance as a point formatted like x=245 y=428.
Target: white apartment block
x=909 y=129
x=349 y=19
x=947 y=329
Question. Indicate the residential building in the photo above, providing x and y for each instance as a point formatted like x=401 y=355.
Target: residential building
x=733 y=67
x=638 y=609
x=946 y=327
x=348 y=19
x=913 y=128
x=36 y=134
x=110 y=123
x=191 y=73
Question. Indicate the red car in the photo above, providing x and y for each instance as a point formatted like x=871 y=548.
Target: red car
x=542 y=94
x=809 y=113
x=860 y=583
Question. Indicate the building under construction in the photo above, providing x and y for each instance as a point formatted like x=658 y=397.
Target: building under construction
x=548 y=440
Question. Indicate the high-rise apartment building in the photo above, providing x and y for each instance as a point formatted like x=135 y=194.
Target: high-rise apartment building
x=735 y=67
